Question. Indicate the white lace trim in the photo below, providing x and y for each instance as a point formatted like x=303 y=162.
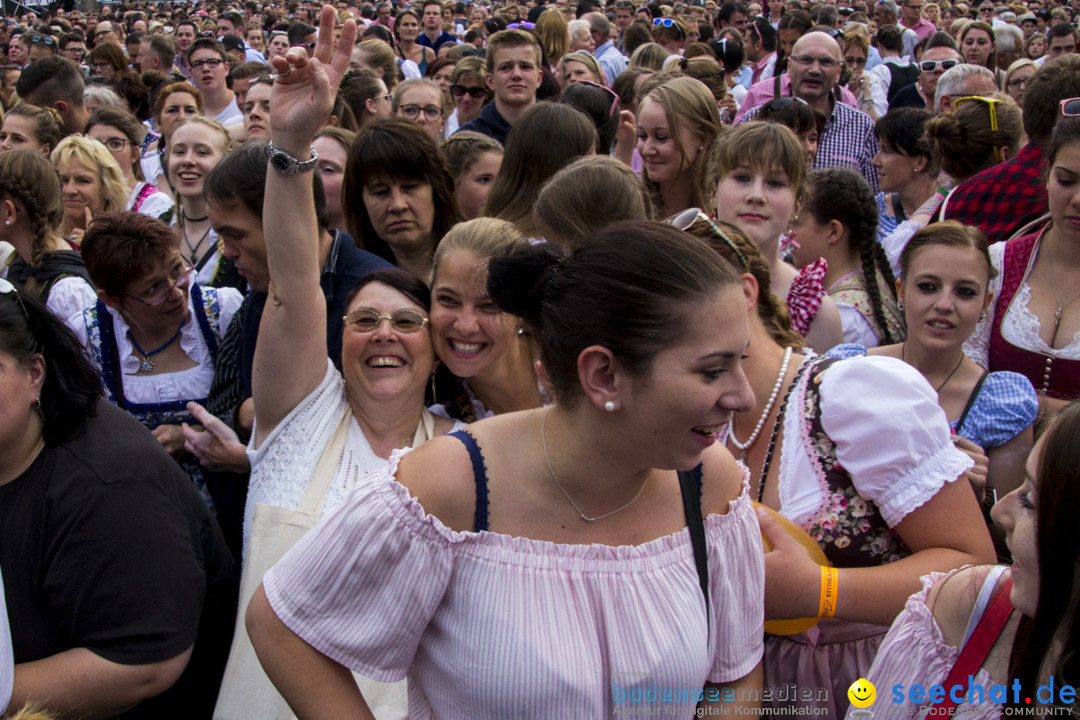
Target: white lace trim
x=1020 y=326
x=282 y=467
x=912 y=492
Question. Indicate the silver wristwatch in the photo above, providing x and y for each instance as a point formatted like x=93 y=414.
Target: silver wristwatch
x=286 y=164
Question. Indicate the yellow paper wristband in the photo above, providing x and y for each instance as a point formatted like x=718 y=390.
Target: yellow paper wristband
x=830 y=579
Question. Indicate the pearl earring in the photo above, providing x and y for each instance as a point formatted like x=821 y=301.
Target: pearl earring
x=609 y=406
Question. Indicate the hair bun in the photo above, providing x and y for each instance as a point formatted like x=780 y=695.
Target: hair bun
x=519 y=283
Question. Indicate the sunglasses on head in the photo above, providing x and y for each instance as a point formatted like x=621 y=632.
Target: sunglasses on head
x=461 y=91
x=782 y=102
x=521 y=26
x=607 y=91
x=1069 y=107
x=991 y=103
x=46 y=40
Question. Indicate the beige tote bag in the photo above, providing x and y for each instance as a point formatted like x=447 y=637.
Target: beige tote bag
x=246 y=691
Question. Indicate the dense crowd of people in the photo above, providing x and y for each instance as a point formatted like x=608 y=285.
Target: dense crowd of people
x=447 y=359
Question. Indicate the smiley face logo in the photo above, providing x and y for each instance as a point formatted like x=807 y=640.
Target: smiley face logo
x=862 y=693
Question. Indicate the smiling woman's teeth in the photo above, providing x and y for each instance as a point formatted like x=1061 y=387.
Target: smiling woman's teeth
x=466 y=348
x=386 y=362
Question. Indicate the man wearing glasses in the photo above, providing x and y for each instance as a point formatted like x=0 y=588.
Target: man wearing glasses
x=886 y=13
x=209 y=69
x=913 y=19
x=848 y=140
x=73 y=47
x=106 y=32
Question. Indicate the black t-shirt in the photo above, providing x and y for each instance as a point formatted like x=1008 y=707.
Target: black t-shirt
x=106 y=545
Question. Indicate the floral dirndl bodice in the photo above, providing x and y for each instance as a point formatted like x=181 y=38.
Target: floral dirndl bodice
x=105 y=352
x=849 y=528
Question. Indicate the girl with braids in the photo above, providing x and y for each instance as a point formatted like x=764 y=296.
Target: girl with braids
x=31 y=127
x=838 y=226
x=858 y=454
x=30 y=214
x=944 y=289
x=1039 y=636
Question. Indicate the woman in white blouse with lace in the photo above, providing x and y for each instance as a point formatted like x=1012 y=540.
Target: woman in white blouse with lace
x=153 y=332
x=856 y=452
x=1033 y=325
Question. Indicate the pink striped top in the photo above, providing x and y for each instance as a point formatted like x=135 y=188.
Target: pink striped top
x=915 y=653
x=487 y=625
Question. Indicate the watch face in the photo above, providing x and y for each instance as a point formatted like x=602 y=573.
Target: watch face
x=280 y=161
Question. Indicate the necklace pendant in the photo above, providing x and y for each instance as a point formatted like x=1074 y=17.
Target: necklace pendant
x=1057 y=315
x=146 y=366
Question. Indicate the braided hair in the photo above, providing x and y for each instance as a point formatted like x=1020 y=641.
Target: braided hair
x=731 y=243
x=844 y=195
x=28 y=178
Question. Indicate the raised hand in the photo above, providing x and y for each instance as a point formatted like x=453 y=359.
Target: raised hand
x=303 y=93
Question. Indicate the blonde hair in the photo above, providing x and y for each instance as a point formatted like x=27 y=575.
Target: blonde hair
x=553 y=32
x=689 y=102
x=764 y=146
x=486 y=237
x=380 y=55
x=651 y=56
x=586 y=59
x=94 y=156
x=586 y=195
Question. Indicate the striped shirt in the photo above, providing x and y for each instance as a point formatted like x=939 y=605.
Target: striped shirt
x=848 y=141
x=490 y=625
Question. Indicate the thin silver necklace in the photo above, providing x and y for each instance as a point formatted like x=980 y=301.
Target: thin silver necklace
x=586 y=518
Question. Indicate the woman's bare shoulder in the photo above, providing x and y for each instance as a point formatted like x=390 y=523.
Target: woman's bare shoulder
x=721 y=480
x=439 y=474
x=952 y=598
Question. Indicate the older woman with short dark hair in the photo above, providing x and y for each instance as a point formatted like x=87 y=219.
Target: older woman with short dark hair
x=154 y=332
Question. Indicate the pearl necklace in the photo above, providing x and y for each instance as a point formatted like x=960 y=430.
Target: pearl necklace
x=743 y=447
x=551 y=470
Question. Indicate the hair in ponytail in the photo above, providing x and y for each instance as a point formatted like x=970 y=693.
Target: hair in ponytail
x=630 y=287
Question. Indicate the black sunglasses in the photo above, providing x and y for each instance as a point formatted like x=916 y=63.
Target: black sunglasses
x=46 y=40
x=474 y=92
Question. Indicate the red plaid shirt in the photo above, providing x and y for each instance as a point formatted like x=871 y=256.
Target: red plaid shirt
x=1001 y=200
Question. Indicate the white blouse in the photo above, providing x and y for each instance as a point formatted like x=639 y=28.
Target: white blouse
x=890 y=435
x=282 y=467
x=1020 y=326
x=166 y=387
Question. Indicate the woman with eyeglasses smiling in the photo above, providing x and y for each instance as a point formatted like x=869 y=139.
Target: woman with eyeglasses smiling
x=121 y=134
x=154 y=332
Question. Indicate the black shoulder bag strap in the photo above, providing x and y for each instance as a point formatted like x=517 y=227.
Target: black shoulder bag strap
x=971 y=400
x=691 y=496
